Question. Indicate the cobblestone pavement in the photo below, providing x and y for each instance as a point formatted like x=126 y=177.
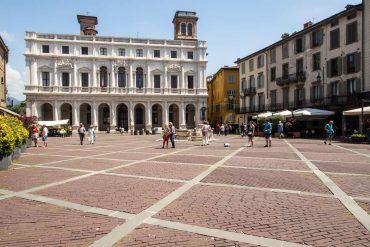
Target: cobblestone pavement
x=128 y=191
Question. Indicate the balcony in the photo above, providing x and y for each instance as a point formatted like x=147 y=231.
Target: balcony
x=260 y=108
x=274 y=107
x=249 y=91
x=292 y=78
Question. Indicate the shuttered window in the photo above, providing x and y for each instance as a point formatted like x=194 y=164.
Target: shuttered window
x=351 y=32
x=334 y=39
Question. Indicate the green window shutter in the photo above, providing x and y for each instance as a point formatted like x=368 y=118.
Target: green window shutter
x=340 y=66
x=357 y=61
x=358 y=85
x=329 y=91
x=345 y=69
x=328 y=69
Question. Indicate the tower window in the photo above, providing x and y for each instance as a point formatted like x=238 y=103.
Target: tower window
x=183 y=29
x=157 y=53
x=190 y=29
x=139 y=53
x=173 y=54
x=121 y=52
x=65 y=49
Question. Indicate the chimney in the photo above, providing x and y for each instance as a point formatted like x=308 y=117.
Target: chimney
x=87 y=24
x=307 y=24
x=349 y=6
x=284 y=35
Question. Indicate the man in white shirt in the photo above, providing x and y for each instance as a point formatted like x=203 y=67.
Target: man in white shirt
x=44 y=135
x=205 y=130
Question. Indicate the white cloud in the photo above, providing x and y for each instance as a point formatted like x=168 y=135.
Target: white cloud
x=15 y=83
x=7 y=36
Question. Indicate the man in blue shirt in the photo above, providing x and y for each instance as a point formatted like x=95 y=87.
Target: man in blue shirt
x=329 y=129
x=267 y=130
x=280 y=129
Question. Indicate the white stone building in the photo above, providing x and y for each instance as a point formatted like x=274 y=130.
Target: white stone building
x=112 y=82
x=319 y=66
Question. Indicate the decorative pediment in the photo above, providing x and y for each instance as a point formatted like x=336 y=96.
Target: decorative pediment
x=65 y=63
x=45 y=67
x=156 y=71
x=175 y=67
x=190 y=72
x=84 y=69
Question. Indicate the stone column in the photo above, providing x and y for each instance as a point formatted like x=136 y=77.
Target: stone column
x=113 y=77
x=75 y=77
x=130 y=78
x=165 y=116
x=148 y=118
x=113 y=119
x=182 y=116
x=34 y=111
x=95 y=116
x=28 y=109
x=165 y=80
x=149 y=85
x=76 y=119
x=197 y=114
x=182 y=80
x=94 y=79
x=56 y=83
x=55 y=111
x=131 y=116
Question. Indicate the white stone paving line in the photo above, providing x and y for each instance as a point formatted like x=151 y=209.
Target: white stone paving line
x=360 y=214
x=353 y=151
x=41 y=187
x=240 y=237
x=121 y=231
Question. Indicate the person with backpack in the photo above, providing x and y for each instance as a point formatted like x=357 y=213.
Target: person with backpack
x=81 y=131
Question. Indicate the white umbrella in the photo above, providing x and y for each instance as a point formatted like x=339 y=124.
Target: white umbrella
x=262 y=115
x=357 y=112
x=312 y=112
x=285 y=113
x=53 y=123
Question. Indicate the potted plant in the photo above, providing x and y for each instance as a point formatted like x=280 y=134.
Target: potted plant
x=28 y=123
x=7 y=144
x=358 y=138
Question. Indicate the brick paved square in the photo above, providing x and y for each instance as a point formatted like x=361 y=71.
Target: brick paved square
x=353 y=185
x=193 y=159
x=266 y=163
x=40 y=159
x=365 y=205
x=301 y=181
x=94 y=164
x=340 y=167
x=317 y=221
x=148 y=235
x=337 y=157
x=29 y=223
x=26 y=178
x=163 y=170
x=113 y=192
x=128 y=156
x=214 y=152
x=267 y=154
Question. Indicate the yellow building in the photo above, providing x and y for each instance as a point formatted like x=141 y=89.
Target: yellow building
x=3 y=60
x=223 y=96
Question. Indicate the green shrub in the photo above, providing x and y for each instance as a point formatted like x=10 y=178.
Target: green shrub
x=7 y=139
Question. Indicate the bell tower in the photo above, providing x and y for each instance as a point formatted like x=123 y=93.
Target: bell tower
x=87 y=24
x=185 y=25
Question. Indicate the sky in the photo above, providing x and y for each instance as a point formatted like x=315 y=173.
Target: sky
x=232 y=28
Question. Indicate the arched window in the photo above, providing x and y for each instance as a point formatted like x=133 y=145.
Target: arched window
x=183 y=29
x=121 y=77
x=190 y=29
x=139 y=78
x=103 y=76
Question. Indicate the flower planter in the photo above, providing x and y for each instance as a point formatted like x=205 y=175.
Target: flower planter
x=23 y=148
x=16 y=153
x=5 y=162
x=358 y=139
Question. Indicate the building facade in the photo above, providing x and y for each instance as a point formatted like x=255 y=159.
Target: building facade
x=223 y=96
x=366 y=44
x=3 y=61
x=112 y=82
x=319 y=66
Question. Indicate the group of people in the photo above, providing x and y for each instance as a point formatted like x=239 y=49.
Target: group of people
x=169 y=133
x=82 y=131
x=223 y=129
x=36 y=135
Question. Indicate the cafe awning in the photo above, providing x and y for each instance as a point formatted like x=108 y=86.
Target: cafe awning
x=263 y=115
x=312 y=112
x=53 y=123
x=285 y=113
x=357 y=111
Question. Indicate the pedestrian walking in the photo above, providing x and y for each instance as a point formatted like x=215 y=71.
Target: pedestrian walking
x=91 y=132
x=44 y=135
x=267 y=130
x=222 y=129
x=280 y=129
x=218 y=129
x=226 y=129
x=81 y=132
x=35 y=135
x=205 y=129
x=165 y=135
x=172 y=134
x=329 y=129
x=250 y=134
